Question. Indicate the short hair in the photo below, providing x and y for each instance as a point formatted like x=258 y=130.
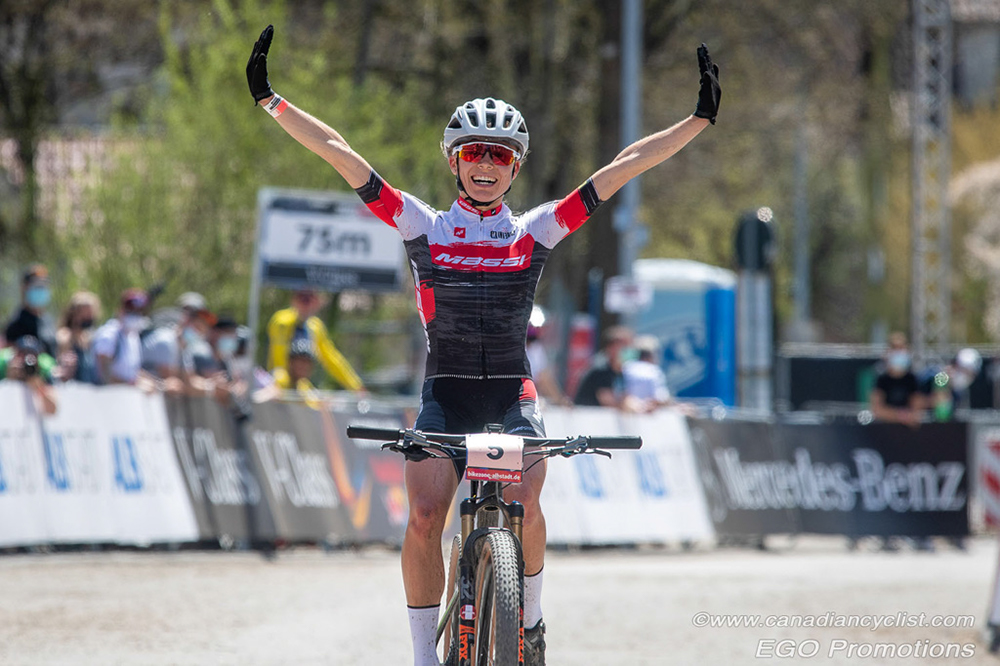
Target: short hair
x=78 y=300
x=897 y=340
x=616 y=334
x=35 y=272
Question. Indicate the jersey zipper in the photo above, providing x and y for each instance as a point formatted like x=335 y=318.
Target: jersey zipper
x=482 y=298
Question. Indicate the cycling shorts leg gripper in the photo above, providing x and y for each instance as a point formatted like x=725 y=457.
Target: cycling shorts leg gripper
x=433 y=417
x=523 y=417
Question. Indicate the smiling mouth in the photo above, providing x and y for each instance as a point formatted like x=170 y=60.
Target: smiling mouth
x=483 y=180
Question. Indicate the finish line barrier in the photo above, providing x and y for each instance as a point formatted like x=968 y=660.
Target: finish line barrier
x=115 y=465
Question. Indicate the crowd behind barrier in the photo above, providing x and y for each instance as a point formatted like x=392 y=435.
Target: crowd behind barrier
x=118 y=465
x=184 y=348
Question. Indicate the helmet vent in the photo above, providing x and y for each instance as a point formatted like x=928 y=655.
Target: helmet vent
x=486 y=119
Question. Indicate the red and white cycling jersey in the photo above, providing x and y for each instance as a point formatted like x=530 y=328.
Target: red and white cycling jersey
x=475 y=274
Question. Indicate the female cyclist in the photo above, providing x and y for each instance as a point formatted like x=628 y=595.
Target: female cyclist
x=475 y=267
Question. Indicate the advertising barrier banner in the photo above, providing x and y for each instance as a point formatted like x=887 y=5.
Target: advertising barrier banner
x=878 y=479
x=221 y=474
x=289 y=471
x=115 y=465
x=651 y=495
x=100 y=470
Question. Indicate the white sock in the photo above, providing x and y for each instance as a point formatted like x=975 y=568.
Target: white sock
x=423 y=631
x=533 y=599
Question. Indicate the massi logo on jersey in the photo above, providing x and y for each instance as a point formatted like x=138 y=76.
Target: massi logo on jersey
x=459 y=232
x=486 y=262
x=501 y=234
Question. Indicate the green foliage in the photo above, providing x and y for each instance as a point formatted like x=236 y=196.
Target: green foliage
x=179 y=202
x=178 y=199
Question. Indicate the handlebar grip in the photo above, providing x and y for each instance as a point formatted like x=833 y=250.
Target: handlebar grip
x=618 y=442
x=364 y=432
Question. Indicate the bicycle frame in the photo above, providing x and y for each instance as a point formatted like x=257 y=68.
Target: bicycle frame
x=490 y=545
x=485 y=503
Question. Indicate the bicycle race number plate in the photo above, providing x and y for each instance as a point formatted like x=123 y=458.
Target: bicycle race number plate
x=494 y=457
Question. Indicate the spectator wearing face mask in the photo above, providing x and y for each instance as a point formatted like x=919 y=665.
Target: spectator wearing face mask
x=896 y=397
x=178 y=336
x=76 y=359
x=116 y=345
x=32 y=319
x=212 y=375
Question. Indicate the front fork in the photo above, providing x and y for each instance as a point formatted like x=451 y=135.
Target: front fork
x=467 y=575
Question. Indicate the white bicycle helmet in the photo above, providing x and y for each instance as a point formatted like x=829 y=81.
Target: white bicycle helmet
x=486 y=119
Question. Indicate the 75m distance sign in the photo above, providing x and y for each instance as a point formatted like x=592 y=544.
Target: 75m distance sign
x=327 y=243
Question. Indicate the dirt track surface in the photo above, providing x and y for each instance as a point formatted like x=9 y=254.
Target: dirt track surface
x=601 y=607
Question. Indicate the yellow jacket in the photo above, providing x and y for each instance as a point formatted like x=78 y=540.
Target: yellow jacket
x=280 y=330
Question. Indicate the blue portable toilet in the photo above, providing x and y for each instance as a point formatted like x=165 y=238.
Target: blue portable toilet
x=693 y=314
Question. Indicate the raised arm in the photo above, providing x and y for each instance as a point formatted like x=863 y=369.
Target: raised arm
x=312 y=133
x=646 y=153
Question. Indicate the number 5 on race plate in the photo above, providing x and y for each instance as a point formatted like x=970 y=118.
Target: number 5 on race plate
x=494 y=457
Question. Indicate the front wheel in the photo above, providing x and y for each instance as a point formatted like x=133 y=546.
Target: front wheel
x=498 y=600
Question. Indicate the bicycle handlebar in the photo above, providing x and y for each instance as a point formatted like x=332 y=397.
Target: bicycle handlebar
x=621 y=442
x=364 y=432
x=624 y=442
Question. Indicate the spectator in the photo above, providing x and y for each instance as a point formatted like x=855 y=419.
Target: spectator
x=209 y=363
x=32 y=319
x=644 y=383
x=76 y=359
x=947 y=388
x=896 y=396
x=116 y=344
x=300 y=322
x=541 y=371
x=248 y=380
x=175 y=330
x=301 y=365
x=603 y=384
x=27 y=362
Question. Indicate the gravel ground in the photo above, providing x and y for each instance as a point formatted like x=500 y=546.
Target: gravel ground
x=601 y=606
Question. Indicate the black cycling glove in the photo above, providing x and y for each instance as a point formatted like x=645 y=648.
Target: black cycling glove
x=710 y=92
x=260 y=87
x=414 y=452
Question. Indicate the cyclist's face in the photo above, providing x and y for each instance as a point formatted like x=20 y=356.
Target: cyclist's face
x=484 y=180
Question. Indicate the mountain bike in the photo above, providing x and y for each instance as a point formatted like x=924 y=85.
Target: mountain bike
x=482 y=623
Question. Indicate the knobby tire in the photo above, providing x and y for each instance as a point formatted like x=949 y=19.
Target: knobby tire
x=498 y=601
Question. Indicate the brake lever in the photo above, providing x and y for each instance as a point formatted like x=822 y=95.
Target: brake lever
x=571 y=449
x=599 y=452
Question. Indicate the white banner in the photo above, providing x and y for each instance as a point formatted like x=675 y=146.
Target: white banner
x=22 y=469
x=652 y=495
x=102 y=469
